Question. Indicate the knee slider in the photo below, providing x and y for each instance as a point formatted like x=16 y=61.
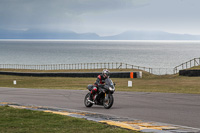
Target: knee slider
x=94 y=90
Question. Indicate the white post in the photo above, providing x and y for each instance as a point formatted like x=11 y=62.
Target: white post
x=130 y=84
x=14 y=82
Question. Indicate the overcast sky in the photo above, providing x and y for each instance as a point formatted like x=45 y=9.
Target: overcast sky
x=104 y=17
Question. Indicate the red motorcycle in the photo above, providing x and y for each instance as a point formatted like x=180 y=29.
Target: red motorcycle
x=104 y=96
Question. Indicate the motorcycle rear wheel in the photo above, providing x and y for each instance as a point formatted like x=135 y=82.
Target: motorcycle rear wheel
x=86 y=102
x=108 y=104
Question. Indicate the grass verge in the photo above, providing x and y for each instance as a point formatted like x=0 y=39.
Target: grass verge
x=194 y=68
x=27 y=121
x=149 y=83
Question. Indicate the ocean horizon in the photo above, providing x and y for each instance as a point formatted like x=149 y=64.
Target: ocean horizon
x=145 y=53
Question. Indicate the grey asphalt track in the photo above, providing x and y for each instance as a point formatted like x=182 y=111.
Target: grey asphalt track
x=178 y=109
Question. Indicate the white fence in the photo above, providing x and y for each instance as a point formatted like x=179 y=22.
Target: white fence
x=188 y=64
x=83 y=66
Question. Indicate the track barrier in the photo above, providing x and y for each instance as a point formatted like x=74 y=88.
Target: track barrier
x=88 y=75
x=190 y=73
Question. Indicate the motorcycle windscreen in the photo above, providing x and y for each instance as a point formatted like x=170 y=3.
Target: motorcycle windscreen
x=109 y=82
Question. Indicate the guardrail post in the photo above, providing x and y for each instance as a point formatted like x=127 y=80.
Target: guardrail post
x=199 y=61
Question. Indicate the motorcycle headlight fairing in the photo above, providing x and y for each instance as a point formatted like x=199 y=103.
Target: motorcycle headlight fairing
x=111 y=89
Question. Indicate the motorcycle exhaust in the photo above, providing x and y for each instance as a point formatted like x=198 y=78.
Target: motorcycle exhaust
x=91 y=101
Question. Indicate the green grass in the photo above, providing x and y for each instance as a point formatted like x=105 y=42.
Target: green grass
x=168 y=84
x=149 y=83
x=195 y=67
x=27 y=121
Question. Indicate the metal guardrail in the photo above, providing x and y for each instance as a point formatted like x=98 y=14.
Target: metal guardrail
x=74 y=66
x=188 y=64
x=113 y=65
x=79 y=66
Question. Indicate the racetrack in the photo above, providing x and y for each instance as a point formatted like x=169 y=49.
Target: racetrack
x=178 y=109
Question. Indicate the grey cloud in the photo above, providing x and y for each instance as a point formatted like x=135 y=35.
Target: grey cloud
x=30 y=13
x=100 y=16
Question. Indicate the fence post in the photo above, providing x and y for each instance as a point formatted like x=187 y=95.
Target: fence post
x=186 y=65
x=199 y=61
x=196 y=62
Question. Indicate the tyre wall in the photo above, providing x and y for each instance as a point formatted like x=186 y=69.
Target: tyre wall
x=88 y=75
x=191 y=73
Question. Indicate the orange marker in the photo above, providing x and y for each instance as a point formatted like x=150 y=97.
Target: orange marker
x=131 y=75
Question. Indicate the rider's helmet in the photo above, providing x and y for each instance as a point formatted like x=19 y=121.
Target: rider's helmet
x=106 y=73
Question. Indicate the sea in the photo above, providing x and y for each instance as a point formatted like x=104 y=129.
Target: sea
x=148 y=53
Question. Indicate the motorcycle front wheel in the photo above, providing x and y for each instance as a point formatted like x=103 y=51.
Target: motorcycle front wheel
x=109 y=102
x=86 y=102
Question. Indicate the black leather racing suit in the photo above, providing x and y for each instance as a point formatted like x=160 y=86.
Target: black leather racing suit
x=100 y=80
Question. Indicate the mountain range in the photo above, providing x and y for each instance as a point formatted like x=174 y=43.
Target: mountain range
x=70 y=35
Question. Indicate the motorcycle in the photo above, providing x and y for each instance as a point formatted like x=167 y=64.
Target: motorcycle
x=104 y=96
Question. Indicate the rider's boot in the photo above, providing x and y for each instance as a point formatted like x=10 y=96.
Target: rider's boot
x=91 y=97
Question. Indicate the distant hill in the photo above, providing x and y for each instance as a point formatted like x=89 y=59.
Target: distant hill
x=128 y=35
x=151 y=35
x=36 y=34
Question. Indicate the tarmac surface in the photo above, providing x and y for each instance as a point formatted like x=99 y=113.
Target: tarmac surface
x=177 y=109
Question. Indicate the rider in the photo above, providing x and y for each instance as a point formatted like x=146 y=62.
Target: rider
x=100 y=80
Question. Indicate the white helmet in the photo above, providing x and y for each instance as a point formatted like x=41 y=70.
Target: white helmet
x=106 y=73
